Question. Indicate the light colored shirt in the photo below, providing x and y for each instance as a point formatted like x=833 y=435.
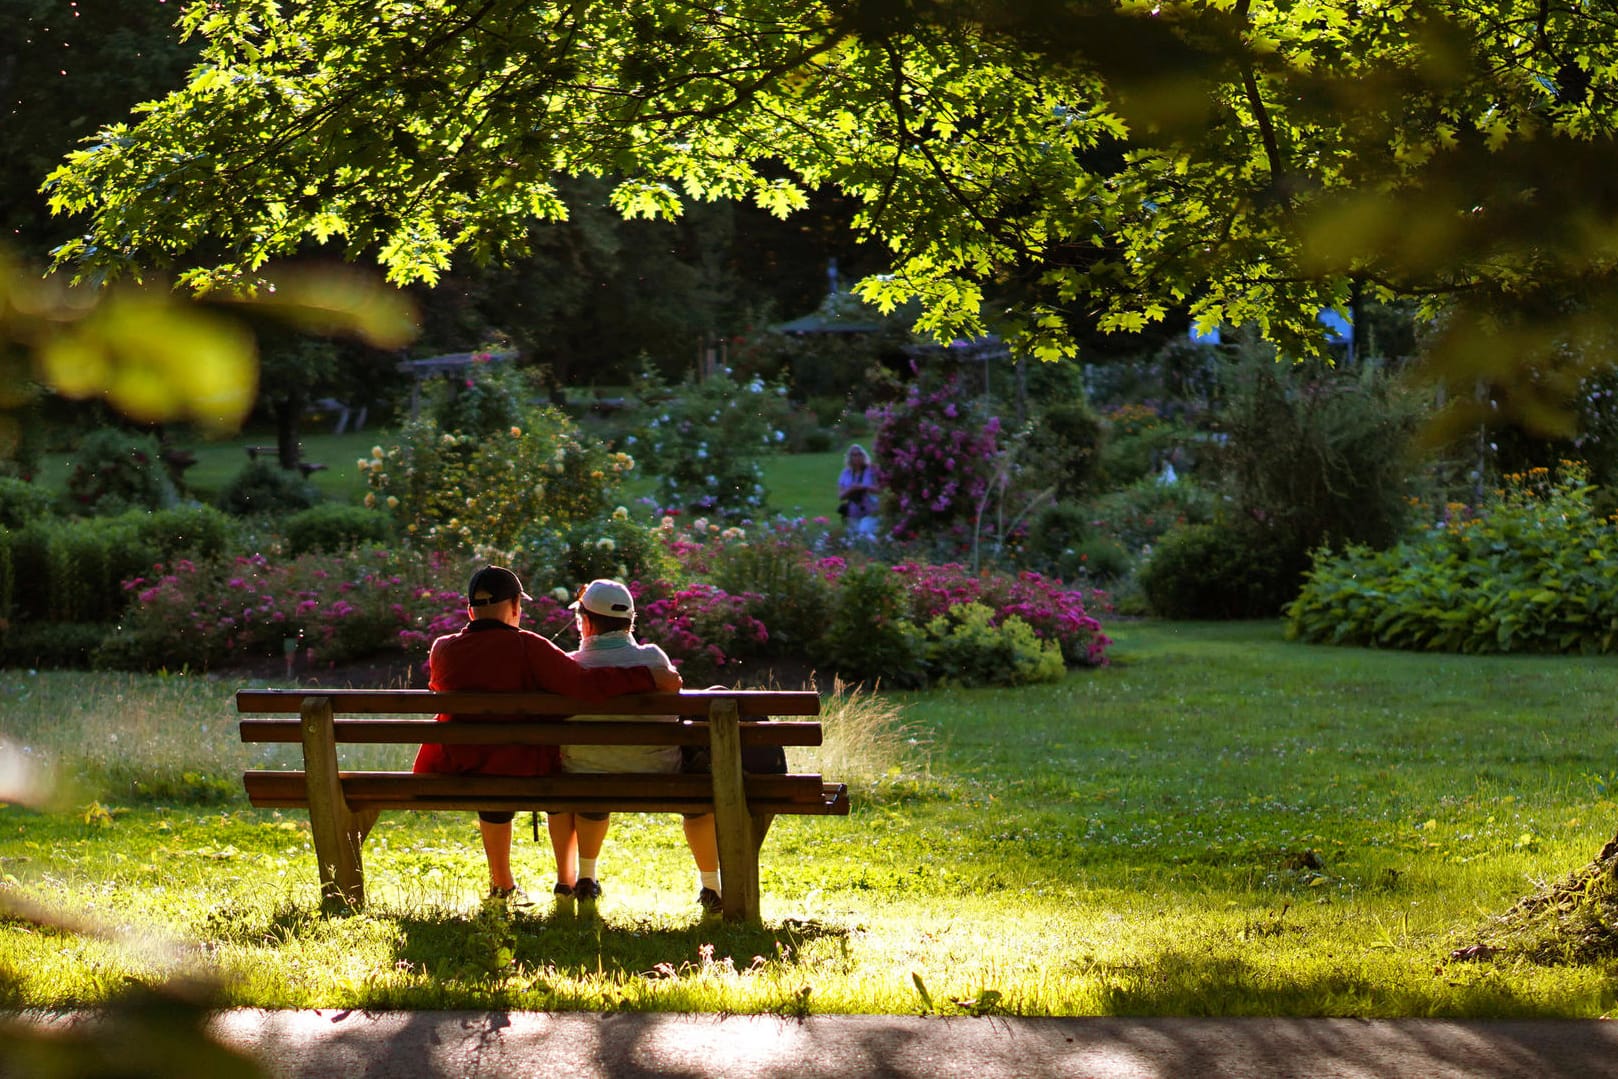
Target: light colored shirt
x=620 y=649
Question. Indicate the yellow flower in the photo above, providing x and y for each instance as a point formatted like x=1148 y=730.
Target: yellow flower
x=370 y=500
x=393 y=503
x=516 y=432
x=620 y=514
x=605 y=544
x=363 y=463
x=376 y=452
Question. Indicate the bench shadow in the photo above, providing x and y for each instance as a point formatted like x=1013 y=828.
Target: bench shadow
x=578 y=944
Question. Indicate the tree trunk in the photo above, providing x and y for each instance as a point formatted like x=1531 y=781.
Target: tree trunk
x=288 y=411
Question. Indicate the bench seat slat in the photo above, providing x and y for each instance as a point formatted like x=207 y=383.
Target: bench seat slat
x=546 y=732
x=786 y=794
x=689 y=702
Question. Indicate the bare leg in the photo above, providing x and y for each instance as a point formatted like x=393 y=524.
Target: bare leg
x=703 y=841
x=591 y=833
x=497 y=849
x=564 y=841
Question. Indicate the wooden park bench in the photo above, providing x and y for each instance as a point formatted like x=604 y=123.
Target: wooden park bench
x=343 y=805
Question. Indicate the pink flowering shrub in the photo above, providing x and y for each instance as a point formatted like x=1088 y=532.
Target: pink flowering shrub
x=937 y=456
x=332 y=607
x=1052 y=610
x=704 y=629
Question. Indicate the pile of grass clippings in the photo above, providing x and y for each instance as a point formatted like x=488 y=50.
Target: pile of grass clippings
x=1572 y=920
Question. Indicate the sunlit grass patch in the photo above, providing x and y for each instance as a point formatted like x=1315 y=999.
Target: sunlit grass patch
x=1219 y=824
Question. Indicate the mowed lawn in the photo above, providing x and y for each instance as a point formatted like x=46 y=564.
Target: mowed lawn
x=1220 y=823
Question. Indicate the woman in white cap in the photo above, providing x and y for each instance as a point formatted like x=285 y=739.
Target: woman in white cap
x=605 y=614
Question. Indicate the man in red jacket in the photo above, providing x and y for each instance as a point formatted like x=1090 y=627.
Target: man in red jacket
x=492 y=653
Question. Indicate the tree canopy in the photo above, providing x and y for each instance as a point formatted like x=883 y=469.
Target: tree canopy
x=1237 y=161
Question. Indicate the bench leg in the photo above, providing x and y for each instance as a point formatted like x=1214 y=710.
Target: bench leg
x=338 y=831
x=733 y=824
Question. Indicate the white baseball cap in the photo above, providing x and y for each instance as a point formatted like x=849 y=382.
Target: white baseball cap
x=605 y=597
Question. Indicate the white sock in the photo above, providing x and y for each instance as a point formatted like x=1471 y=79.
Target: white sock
x=709 y=880
x=587 y=868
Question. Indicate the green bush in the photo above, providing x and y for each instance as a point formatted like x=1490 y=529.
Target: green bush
x=488 y=399
x=707 y=444
x=1064 y=543
x=1134 y=441
x=72 y=571
x=114 y=470
x=1066 y=447
x=1325 y=456
x=1134 y=517
x=502 y=491
x=193 y=531
x=1534 y=572
x=782 y=591
x=1223 y=570
x=52 y=644
x=264 y=487
x=334 y=527
x=22 y=502
x=870 y=636
x=579 y=552
x=964 y=649
x=57 y=570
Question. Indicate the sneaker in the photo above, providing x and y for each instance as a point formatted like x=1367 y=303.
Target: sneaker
x=586 y=888
x=709 y=901
x=512 y=896
x=562 y=891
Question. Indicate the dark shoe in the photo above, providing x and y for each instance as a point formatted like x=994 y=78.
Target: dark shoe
x=513 y=896
x=586 y=888
x=709 y=901
x=562 y=890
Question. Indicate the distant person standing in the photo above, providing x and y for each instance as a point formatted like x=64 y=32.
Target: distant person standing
x=857 y=487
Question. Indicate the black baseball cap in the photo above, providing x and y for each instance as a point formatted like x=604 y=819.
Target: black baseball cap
x=494 y=584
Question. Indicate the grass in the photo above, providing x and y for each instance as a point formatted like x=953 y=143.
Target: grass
x=1221 y=823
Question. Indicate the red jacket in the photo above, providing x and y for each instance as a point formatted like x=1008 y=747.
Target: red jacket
x=490 y=655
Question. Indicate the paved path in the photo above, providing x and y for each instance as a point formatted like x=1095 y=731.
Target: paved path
x=479 y=1045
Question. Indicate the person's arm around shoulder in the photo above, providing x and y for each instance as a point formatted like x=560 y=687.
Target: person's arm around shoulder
x=558 y=672
x=663 y=673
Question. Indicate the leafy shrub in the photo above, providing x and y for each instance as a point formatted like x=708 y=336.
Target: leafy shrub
x=336 y=606
x=1135 y=517
x=71 y=571
x=193 y=531
x=1135 y=439
x=1066 y=447
x=487 y=399
x=1063 y=542
x=57 y=570
x=334 y=527
x=263 y=487
x=1323 y=456
x=966 y=646
x=1227 y=569
x=937 y=454
x=51 y=644
x=707 y=444
x=610 y=546
x=22 y=502
x=783 y=591
x=115 y=470
x=455 y=490
x=1055 y=612
x=871 y=635
x=1532 y=572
